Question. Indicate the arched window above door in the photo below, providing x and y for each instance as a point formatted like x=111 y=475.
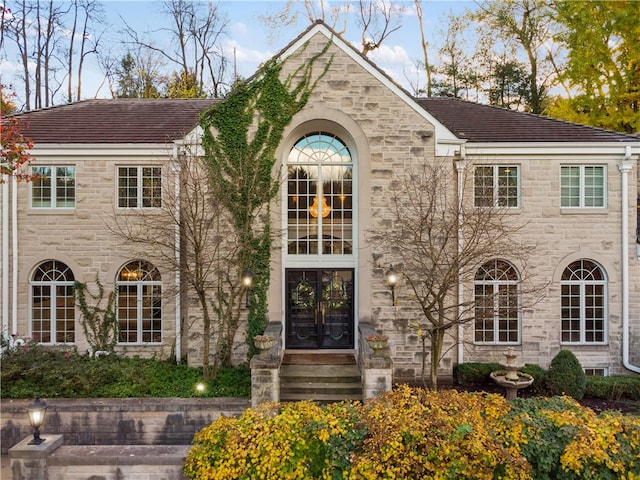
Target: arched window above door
x=320 y=196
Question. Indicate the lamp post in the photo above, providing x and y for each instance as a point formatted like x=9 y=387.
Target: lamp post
x=247 y=281
x=36 y=411
x=392 y=280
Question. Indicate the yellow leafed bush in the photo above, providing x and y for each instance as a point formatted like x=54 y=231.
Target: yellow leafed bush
x=414 y=434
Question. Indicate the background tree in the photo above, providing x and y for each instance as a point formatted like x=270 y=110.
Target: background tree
x=138 y=76
x=50 y=37
x=442 y=241
x=525 y=24
x=376 y=20
x=602 y=40
x=14 y=146
x=509 y=85
x=456 y=75
x=194 y=37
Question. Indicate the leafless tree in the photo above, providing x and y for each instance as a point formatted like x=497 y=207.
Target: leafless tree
x=46 y=47
x=206 y=258
x=195 y=36
x=442 y=240
x=375 y=19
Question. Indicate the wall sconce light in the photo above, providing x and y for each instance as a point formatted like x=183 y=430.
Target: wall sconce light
x=247 y=281
x=36 y=411
x=392 y=280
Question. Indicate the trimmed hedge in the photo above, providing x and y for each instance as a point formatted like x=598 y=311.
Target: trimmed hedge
x=615 y=387
x=414 y=434
x=566 y=376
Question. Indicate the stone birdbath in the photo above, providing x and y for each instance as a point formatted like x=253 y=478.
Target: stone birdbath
x=510 y=378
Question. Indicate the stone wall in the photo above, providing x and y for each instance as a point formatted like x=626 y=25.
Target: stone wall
x=127 y=421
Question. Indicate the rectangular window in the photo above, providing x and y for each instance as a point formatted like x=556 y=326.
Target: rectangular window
x=582 y=186
x=53 y=187
x=139 y=187
x=496 y=314
x=496 y=186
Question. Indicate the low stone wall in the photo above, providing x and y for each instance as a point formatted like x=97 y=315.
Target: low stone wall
x=114 y=421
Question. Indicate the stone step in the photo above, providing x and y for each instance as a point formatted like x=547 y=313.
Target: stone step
x=320 y=383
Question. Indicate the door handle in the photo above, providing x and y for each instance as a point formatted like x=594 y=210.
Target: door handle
x=323 y=315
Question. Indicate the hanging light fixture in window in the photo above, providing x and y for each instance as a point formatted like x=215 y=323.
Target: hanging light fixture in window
x=314 y=209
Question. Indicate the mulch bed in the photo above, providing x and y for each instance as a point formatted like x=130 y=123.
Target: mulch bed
x=598 y=405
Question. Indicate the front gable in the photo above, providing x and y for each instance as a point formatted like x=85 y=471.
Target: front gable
x=379 y=83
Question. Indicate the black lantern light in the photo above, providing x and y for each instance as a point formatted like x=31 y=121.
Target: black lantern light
x=36 y=411
x=247 y=281
x=392 y=280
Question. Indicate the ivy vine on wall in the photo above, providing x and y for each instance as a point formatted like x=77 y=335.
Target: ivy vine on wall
x=241 y=136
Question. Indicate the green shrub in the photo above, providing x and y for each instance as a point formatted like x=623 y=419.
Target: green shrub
x=539 y=374
x=616 y=387
x=475 y=374
x=566 y=376
x=63 y=373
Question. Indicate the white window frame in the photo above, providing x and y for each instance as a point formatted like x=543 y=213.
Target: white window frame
x=583 y=284
x=496 y=284
x=52 y=283
x=53 y=186
x=497 y=174
x=583 y=187
x=140 y=284
x=140 y=197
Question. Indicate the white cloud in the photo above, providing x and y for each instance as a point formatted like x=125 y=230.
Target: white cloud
x=390 y=55
x=239 y=29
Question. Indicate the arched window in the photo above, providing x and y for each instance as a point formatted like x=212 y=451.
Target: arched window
x=497 y=303
x=320 y=196
x=52 y=306
x=584 y=305
x=139 y=303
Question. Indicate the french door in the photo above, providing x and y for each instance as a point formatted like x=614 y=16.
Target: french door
x=319 y=310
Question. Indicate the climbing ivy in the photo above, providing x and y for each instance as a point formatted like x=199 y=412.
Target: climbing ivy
x=241 y=135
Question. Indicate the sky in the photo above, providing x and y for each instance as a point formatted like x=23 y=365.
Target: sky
x=254 y=43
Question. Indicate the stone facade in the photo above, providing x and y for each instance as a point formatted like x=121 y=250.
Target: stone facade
x=388 y=133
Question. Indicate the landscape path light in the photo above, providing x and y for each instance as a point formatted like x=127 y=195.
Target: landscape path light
x=36 y=411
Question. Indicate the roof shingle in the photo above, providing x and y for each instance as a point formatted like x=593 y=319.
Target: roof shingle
x=123 y=121
x=475 y=122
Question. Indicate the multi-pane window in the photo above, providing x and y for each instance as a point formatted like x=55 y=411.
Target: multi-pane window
x=320 y=196
x=53 y=187
x=52 y=305
x=582 y=186
x=584 y=294
x=496 y=295
x=139 y=187
x=496 y=186
x=139 y=303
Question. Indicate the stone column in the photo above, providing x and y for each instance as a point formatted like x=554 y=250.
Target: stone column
x=29 y=462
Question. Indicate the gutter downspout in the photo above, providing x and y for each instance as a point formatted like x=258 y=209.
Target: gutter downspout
x=14 y=254
x=461 y=165
x=5 y=258
x=177 y=255
x=625 y=167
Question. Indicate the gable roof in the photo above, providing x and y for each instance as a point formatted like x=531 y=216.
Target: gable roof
x=161 y=121
x=475 y=122
x=121 y=120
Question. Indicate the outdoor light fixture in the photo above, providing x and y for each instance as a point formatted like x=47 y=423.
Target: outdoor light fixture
x=247 y=281
x=392 y=280
x=36 y=411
